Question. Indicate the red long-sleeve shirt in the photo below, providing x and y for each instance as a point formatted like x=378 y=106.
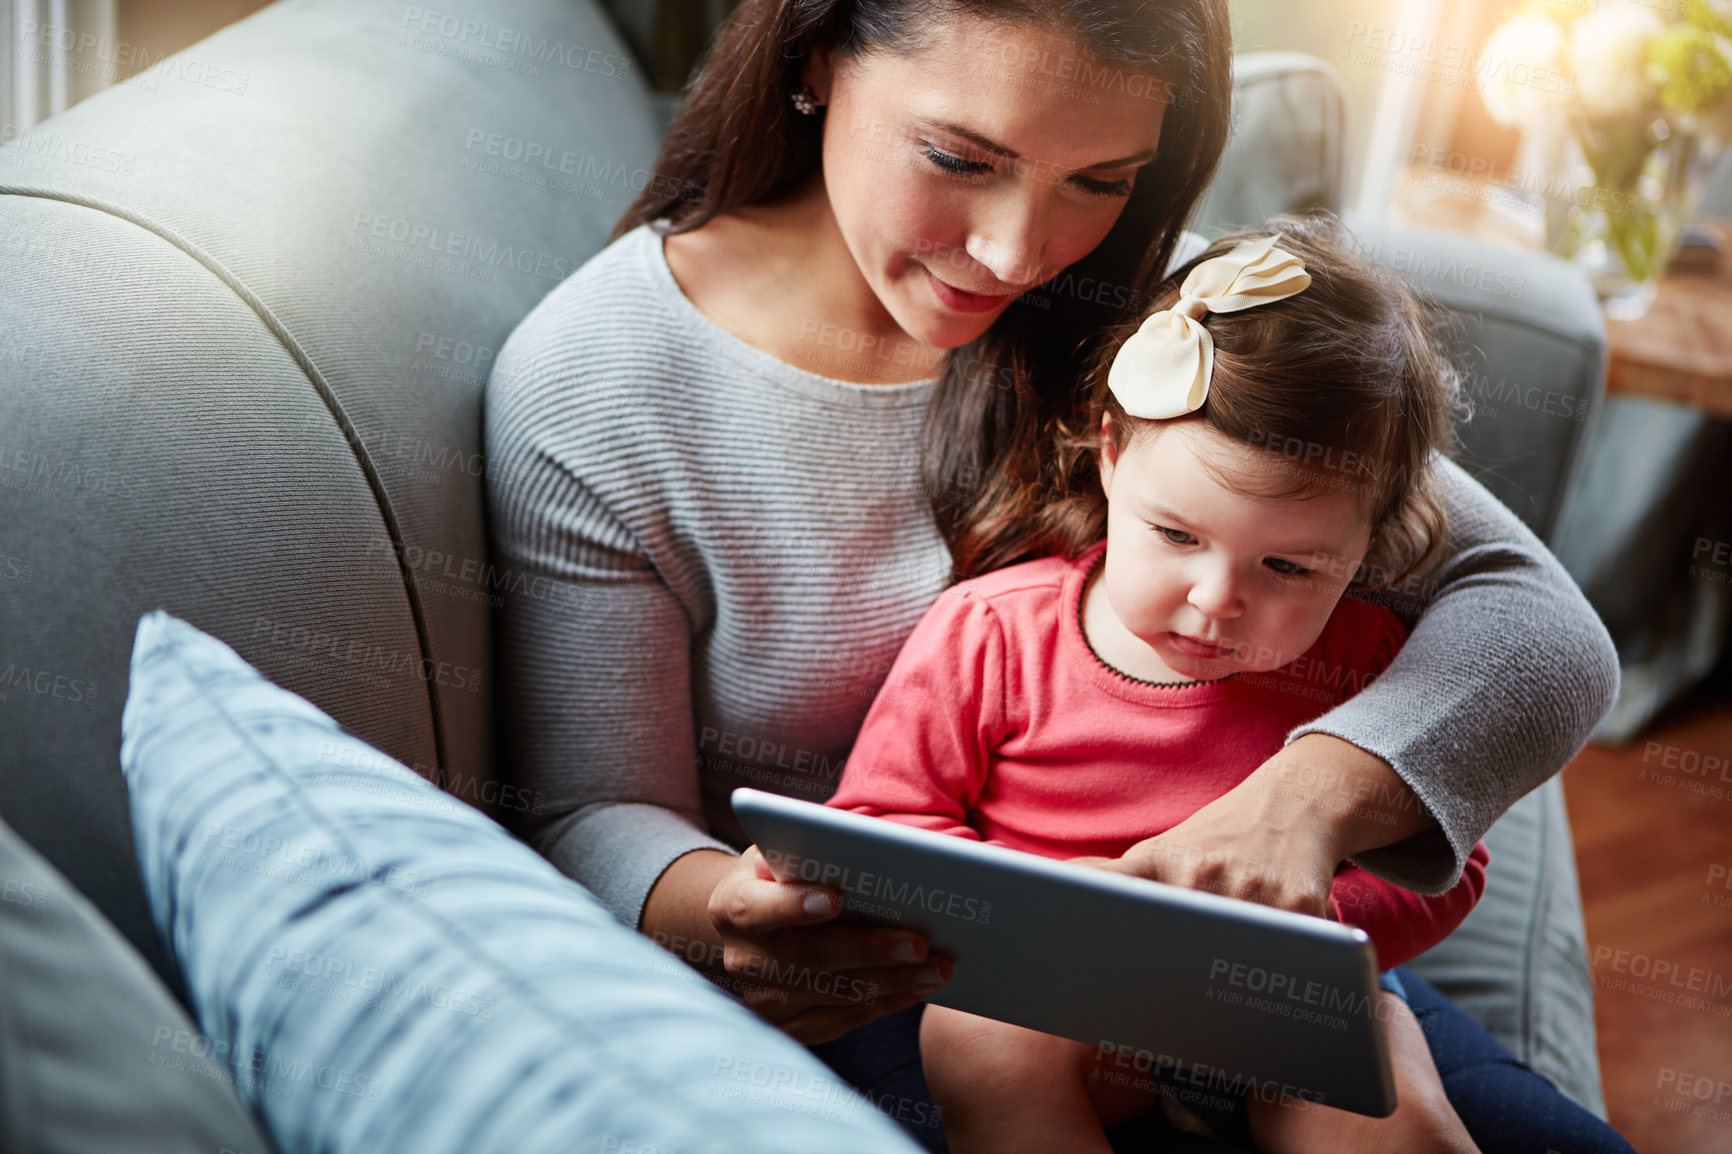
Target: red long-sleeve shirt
x=998 y=722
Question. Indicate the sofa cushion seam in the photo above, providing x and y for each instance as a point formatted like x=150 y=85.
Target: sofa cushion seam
x=351 y=435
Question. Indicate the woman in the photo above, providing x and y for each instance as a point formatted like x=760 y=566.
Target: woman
x=749 y=447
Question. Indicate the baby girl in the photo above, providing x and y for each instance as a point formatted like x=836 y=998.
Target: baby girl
x=1263 y=441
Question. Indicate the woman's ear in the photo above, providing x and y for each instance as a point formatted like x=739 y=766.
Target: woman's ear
x=817 y=74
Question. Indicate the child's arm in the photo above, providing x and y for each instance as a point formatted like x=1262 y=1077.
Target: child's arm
x=1403 y=924
x=922 y=753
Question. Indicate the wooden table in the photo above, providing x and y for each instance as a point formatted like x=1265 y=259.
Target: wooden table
x=1681 y=351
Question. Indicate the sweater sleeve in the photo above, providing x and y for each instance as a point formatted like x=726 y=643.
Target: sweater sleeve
x=1504 y=676
x=593 y=652
x=922 y=753
x=1403 y=924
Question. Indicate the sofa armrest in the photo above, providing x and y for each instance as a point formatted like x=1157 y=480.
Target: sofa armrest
x=1519 y=964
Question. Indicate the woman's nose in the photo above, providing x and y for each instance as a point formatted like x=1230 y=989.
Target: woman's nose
x=1011 y=239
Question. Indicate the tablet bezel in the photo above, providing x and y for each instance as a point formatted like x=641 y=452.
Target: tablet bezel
x=1043 y=977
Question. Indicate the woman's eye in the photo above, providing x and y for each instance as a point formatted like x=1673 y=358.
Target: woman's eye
x=1103 y=187
x=957 y=166
x=954 y=164
x=1287 y=568
x=1176 y=536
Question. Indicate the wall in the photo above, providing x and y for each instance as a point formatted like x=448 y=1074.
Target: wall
x=162 y=27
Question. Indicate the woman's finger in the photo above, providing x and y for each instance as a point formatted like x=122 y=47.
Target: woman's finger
x=1251 y=882
x=1251 y=879
x=758 y=962
x=846 y=947
x=816 y=981
x=745 y=901
x=1109 y=864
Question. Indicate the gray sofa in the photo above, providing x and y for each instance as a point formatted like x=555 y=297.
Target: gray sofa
x=250 y=304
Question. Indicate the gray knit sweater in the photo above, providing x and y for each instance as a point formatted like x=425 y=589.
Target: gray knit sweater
x=734 y=549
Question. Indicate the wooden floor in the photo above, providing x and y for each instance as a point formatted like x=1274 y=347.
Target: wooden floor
x=1653 y=831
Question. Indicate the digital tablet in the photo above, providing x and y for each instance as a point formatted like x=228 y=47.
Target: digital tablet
x=1217 y=995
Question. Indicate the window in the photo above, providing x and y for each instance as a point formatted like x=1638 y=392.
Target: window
x=54 y=57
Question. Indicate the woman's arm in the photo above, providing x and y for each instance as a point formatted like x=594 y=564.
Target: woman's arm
x=1278 y=836
x=593 y=652
x=1503 y=677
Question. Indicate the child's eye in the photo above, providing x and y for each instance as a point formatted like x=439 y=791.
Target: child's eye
x=1287 y=568
x=1176 y=536
x=954 y=165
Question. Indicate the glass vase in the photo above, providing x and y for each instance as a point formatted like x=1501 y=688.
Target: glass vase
x=1618 y=197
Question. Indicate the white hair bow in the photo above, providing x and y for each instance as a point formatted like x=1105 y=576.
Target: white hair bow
x=1163 y=370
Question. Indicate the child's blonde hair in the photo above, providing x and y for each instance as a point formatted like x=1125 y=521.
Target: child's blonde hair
x=1345 y=383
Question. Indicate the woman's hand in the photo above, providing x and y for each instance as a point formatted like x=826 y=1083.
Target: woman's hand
x=1277 y=837
x=815 y=981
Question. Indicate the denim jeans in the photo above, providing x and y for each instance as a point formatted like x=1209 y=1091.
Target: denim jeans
x=1506 y=1107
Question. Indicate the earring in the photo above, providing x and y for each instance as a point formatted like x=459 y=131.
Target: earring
x=805 y=100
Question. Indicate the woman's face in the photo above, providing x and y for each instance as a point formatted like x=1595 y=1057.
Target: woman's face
x=979 y=167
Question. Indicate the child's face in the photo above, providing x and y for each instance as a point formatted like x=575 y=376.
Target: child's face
x=1216 y=581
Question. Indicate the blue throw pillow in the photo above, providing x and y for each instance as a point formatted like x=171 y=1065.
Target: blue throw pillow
x=380 y=967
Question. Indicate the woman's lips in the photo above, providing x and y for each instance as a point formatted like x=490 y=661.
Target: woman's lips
x=964 y=302
x=1192 y=647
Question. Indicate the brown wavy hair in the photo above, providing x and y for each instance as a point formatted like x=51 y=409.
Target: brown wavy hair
x=736 y=141
x=1345 y=384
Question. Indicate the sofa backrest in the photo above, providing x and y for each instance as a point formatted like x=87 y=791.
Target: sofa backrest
x=1525 y=329
x=1526 y=333
x=250 y=301
x=1286 y=151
